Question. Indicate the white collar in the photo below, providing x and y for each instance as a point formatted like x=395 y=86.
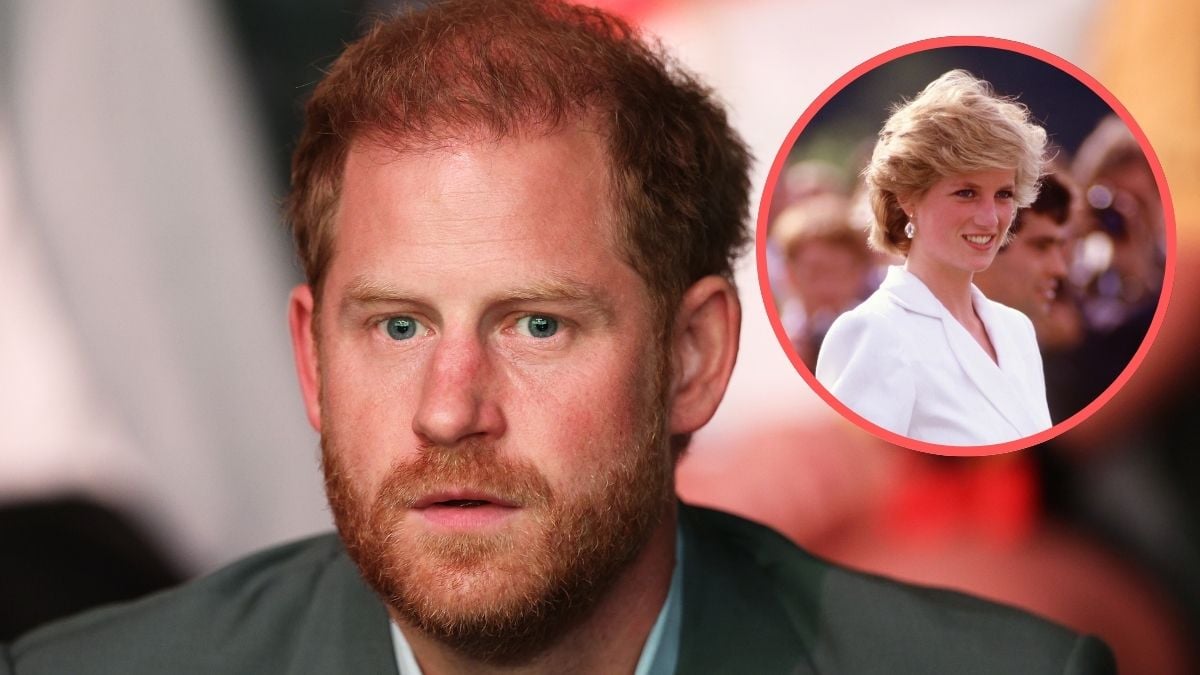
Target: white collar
x=908 y=291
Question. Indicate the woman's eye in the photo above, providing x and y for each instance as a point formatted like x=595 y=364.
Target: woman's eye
x=965 y=193
x=401 y=327
x=1004 y=194
x=537 y=325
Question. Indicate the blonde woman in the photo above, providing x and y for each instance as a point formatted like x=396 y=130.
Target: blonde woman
x=927 y=355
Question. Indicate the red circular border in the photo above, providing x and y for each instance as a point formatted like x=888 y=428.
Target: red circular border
x=906 y=50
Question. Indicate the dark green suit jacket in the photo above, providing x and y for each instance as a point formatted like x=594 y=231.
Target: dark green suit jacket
x=752 y=603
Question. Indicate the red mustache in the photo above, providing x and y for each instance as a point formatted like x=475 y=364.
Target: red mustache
x=476 y=466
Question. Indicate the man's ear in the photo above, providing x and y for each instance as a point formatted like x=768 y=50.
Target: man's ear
x=703 y=351
x=304 y=349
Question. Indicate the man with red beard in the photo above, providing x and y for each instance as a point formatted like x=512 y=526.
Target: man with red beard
x=517 y=223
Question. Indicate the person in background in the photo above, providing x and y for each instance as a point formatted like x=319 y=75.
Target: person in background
x=1115 y=275
x=828 y=267
x=1124 y=250
x=1029 y=272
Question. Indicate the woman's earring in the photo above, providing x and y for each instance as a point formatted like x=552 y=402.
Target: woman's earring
x=910 y=230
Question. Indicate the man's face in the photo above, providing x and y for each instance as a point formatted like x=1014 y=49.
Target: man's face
x=828 y=276
x=491 y=397
x=1028 y=274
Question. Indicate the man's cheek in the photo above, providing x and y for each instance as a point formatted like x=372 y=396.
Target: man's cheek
x=569 y=385
x=363 y=374
x=573 y=415
x=375 y=420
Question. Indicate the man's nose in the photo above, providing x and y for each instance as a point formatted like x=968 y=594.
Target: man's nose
x=458 y=394
x=1058 y=262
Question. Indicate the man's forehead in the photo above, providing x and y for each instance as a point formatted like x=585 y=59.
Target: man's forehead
x=560 y=175
x=527 y=214
x=1042 y=226
x=586 y=135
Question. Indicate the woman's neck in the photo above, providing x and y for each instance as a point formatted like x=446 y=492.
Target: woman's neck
x=952 y=287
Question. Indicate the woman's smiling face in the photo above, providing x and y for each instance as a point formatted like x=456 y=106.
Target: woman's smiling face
x=961 y=221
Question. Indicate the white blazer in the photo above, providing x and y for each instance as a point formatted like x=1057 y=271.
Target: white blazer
x=903 y=362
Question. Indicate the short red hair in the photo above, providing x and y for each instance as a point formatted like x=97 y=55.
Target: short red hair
x=464 y=70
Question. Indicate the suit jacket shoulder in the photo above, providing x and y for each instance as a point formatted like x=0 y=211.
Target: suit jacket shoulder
x=754 y=602
x=298 y=608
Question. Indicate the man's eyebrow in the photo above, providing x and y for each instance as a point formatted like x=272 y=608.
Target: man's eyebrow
x=365 y=291
x=1046 y=239
x=588 y=298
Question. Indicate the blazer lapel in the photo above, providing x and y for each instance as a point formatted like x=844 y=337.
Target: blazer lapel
x=982 y=371
x=1008 y=398
x=988 y=377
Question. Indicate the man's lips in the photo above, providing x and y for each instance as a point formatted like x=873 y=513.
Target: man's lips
x=463 y=498
x=463 y=511
x=1049 y=292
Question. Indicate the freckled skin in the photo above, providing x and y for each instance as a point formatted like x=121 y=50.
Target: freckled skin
x=458 y=229
x=470 y=242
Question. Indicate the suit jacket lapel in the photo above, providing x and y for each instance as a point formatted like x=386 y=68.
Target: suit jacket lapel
x=732 y=619
x=347 y=629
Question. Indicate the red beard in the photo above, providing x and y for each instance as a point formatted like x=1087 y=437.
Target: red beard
x=504 y=597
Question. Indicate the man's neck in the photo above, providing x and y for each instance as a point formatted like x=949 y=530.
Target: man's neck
x=608 y=640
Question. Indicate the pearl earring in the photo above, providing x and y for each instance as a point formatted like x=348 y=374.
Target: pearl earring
x=910 y=230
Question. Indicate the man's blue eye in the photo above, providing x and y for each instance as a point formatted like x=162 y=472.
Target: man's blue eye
x=401 y=327
x=538 y=326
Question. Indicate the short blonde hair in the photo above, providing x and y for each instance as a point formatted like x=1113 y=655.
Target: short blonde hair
x=956 y=125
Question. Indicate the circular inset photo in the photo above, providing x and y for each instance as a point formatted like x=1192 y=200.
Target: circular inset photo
x=966 y=245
